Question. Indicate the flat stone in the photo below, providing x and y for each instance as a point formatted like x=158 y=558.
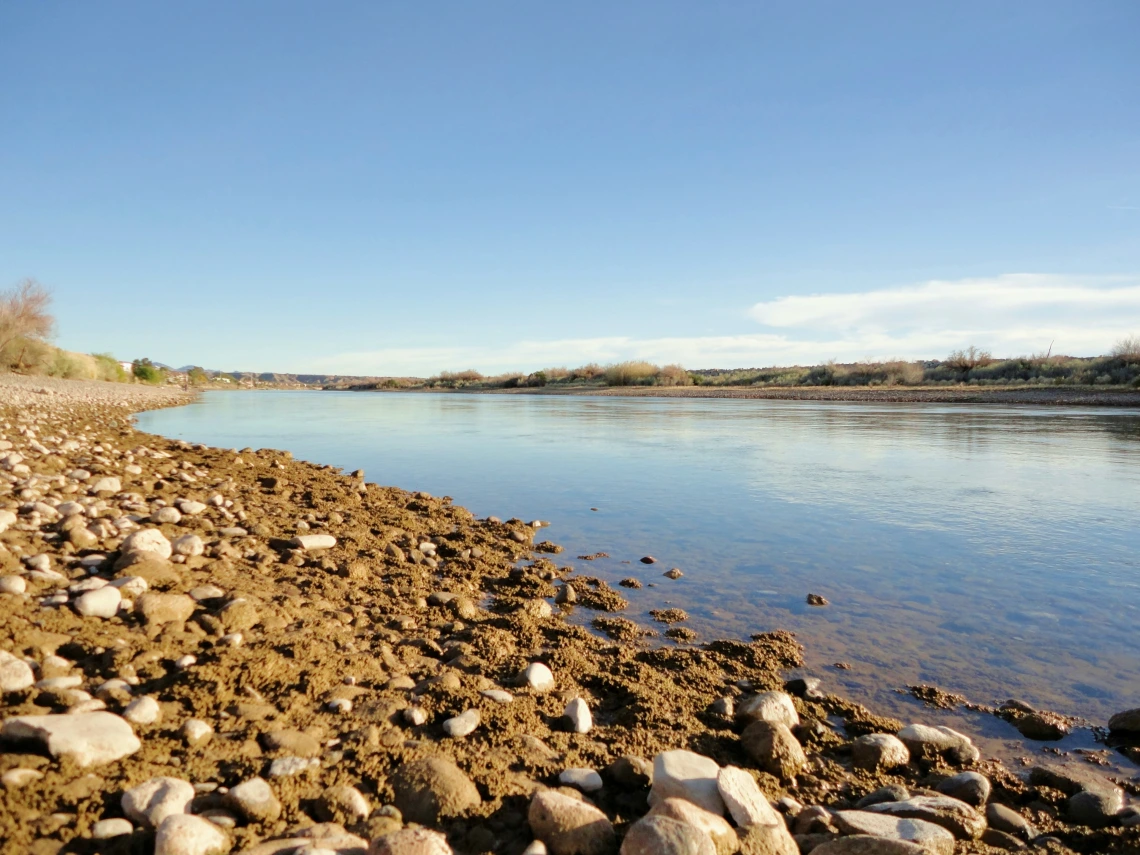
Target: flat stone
x=498 y=696
x=973 y=788
x=932 y=837
x=309 y=542
x=411 y=841
x=538 y=677
x=15 y=674
x=862 y=844
x=716 y=827
x=157 y=609
x=153 y=801
x=254 y=799
x=954 y=746
x=586 y=780
x=1125 y=722
x=13 y=779
x=955 y=816
x=661 y=835
x=1010 y=821
x=775 y=707
x=87 y=739
x=876 y=751
x=745 y=802
x=295 y=742
x=189 y=545
x=1069 y=778
x=686 y=775
x=191 y=508
x=1095 y=808
x=579 y=716
x=148 y=540
x=767 y=840
x=190 y=835
x=105 y=829
x=433 y=787
x=569 y=826
x=110 y=484
x=462 y=725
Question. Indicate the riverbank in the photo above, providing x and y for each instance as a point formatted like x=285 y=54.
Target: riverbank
x=274 y=681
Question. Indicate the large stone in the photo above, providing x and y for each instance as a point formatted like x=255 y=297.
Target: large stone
x=767 y=840
x=148 y=540
x=577 y=712
x=411 y=841
x=923 y=740
x=153 y=801
x=102 y=602
x=660 y=835
x=431 y=788
x=157 y=609
x=189 y=545
x=463 y=724
x=538 y=676
x=254 y=799
x=685 y=775
x=774 y=748
x=1125 y=722
x=569 y=826
x=745 y=802
x=933 y=838
x=716 y=827
x=862 y=844
x=768 y=706
x=87 y=739
x=876 y=751
x=956 y=817
x=15 y=674
x=182 y=834
x=1069 y=778
x=1095 y=808
x=110 y=484
x=346 y=805
x=293 y=742
x=1010 y=821
x=973 y=788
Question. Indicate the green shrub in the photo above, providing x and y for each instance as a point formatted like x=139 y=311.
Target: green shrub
x=148 y=372
x=108 y=368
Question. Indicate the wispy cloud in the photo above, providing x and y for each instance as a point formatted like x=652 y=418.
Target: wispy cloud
x=1010 y=315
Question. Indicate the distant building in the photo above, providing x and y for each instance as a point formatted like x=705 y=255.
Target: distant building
x=127 y=366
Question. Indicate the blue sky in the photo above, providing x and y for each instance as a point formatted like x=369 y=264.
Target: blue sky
x=365 y=187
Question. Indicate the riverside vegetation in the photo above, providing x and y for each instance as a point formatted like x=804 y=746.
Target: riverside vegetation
x=209 y=651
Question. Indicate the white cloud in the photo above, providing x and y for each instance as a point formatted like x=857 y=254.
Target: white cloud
x=1010 y=315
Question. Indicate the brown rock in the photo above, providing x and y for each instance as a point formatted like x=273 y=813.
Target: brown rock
x=774 y=748
x=292 y=742
x=660 y=835
x=432 y=788
x=157 y=609
x=570 y=826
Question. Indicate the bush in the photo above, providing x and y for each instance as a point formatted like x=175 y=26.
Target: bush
x=968 y=359
x=25 y=327
x=197 y=376
x=1128 y=349
x=108 y=368
x=148 y=372
x=538 y=378
x=674 y=375
x=631 y=374
x=589 y=372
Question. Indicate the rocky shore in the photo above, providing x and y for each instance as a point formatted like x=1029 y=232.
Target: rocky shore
x=210 y=651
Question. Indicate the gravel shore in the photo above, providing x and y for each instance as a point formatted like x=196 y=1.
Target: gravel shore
x=210 y=651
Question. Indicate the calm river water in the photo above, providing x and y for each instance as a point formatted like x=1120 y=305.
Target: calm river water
x=992 y=551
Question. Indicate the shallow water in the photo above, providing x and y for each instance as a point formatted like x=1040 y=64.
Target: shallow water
x=992 y=551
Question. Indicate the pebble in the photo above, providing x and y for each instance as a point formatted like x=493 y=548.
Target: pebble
x=309 y=542
x=158 y=609
x=167 y=515
x=341 y=706
x=1125 y=722
x=109 y=484
x=538 y=676
x=569 y=826
x=497 y=695
x=876 y=751
x=774 y=748
x=346 y=805
x=102 y=602
x=462 y=725
x=776 y=707
x=190 y=835
x=105 y=829
x=184 y=662
x=579 y=716
x=586 y=780
x=746 y=804
x=189 y=545
x=955 y=746
x=1095 y=808
x=153 y=801
x=686 y=775
x=191 y=508
x=1010 y=821
x=415 y=716
x=15 y=674
x=143 y=710
x=285 y=767
x=673 y=573
x=431 y=788
x=716 y=827
x=148 y=540
x=13 y=779
x=973 y=788
x=953 y=815
x=87 y=739
x=661 y=835
x=410 y=841
x=195 y=731
x=13 y=585
x=254 y=799
x=889 y=793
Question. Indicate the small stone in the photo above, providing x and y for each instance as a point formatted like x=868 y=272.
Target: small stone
x=876 y=751
x=578 y=714
x=538 y=676
x=566 y=595
x=661 y=835
x=768 y=706
x=774 y=748
x=746 y=804
x=462 y=725
x=1096 y=808
x=109 y=484
x=13 y=779
x=817 y=600
x=195 y=731
x=630 y=771
x=184 y=662
x=922 y=739
x=13 y=585
x=147 y=540
x=190 y=835
x=686 y=775
x=1010 y=821
x=1125 y=722
x=973 y=788
x=346 y=805
x=648 y=559
x=310 y=542
x=498 y=696
x=1043 y=726
x=105 y=829
x=889 y=793
x=431 y=788
x=254 y=799
x=415 y=716
x=286 y=767
x=152 y=801
x=569 y=826
x=87 y=739
x=341 y=706
x=191 y=508
x=167 y=515
x=103 y=602
x=142 y=711
x=158 y=609
x=586 y=780
x=410 y=841
x=15 y=674
x=673 y=573
x=189 y=545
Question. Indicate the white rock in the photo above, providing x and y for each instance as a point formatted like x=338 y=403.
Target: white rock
x=147 y=540
x=195 y=731
x=167 y=515
x=190 y=835
x=462 y=724
x=110 y=484
x=153 y=801
x=776 y=707
x=943 y=740
x=115 y=684
x=205 y=592
x=255 y=800
x=586 y=780
x=741 y=795
x=144 y=710
x=15 y=674
x=284 y=767
x=579 y=715
x=879 y=750
x=86 y=706
x=91 y=583
x=184 y=662
x=191 y=508
x=498 y=696
x=15 y=778
x=536 y=847
x=337 y=705
x=13 y=585
x=716 y=827
x=314 y=541
x=58 y=684
x=131 y=586
x=931 y=837
x=189 y=545
x=7 y=518
x=685 y=775
x=105 y=829
x=415 y=716
x=70 y=509
x=538 y=677
x=102 y=602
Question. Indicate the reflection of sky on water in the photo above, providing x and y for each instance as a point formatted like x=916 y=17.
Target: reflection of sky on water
x=990 y=550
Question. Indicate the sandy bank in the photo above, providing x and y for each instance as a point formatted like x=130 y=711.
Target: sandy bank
x=338 y=696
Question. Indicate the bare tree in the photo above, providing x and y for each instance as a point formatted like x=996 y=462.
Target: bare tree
x=971 y=357
x=1128 y=349
x=24 y=320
